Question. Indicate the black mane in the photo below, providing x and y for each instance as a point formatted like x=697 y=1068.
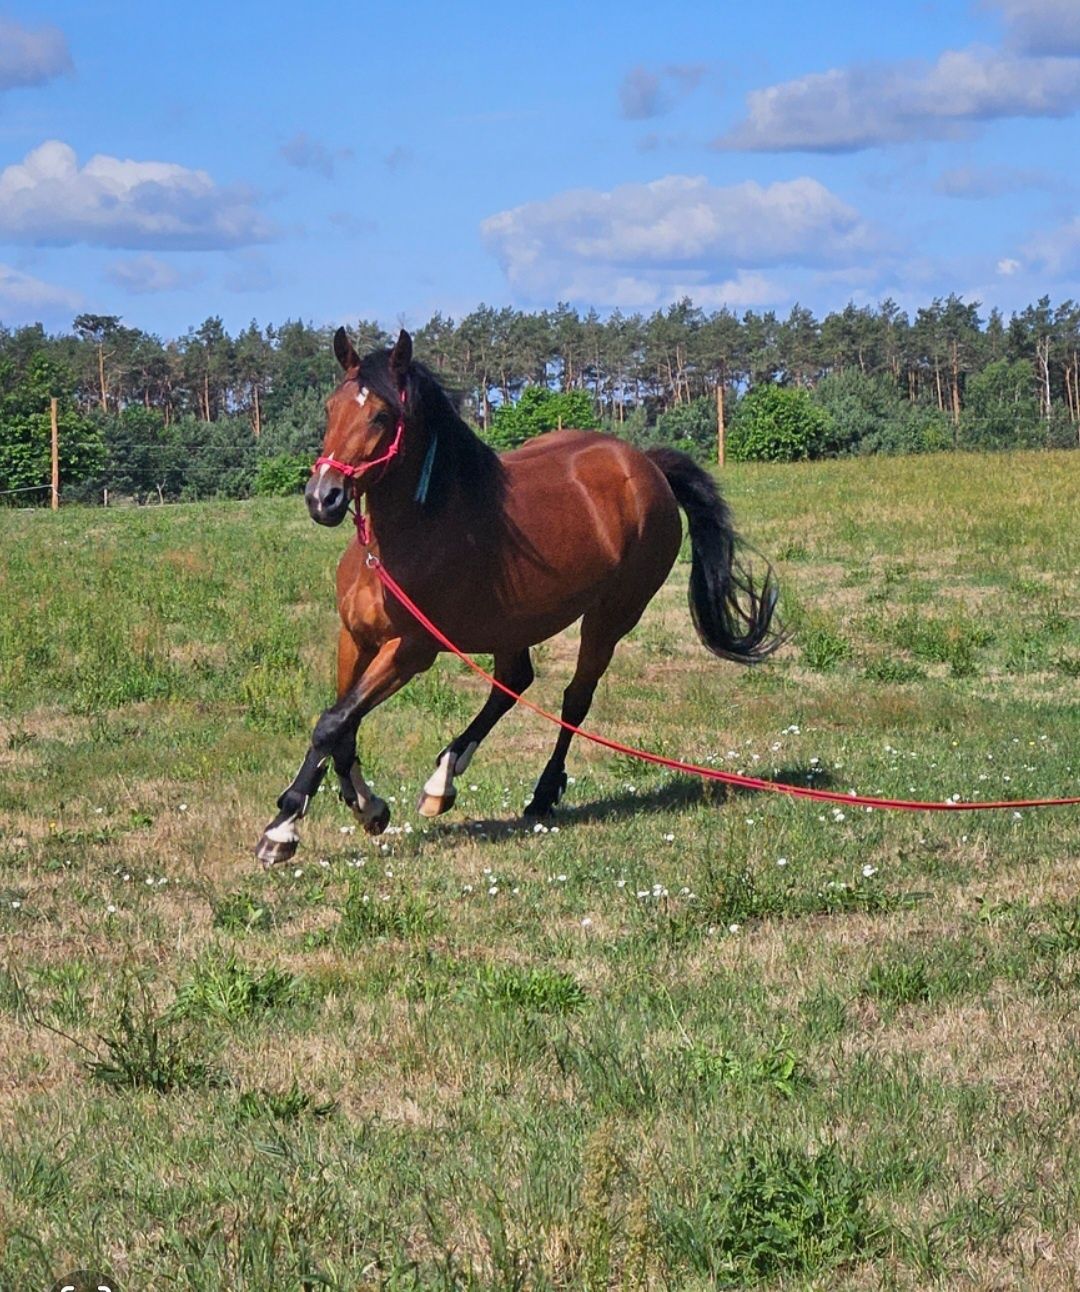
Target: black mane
x=461 y=457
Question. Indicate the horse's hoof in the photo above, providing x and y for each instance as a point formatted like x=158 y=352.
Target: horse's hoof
x=271 y=852
x=379 y=819
x=545 y=796
x=436 y=804
x=535 y=809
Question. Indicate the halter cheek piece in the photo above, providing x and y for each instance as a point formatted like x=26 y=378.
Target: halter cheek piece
x=354 y=472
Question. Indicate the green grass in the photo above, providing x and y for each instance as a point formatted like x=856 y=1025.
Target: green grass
x=678 y=1038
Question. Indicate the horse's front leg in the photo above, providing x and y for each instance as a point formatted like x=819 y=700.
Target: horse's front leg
x=335 y=737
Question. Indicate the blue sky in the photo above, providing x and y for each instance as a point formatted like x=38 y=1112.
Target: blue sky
x=268 y=161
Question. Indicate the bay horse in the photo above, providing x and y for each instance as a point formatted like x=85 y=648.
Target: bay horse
x=502 y=552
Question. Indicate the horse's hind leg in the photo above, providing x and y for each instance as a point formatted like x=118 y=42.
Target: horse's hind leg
x=439 y=793
x=601 y=630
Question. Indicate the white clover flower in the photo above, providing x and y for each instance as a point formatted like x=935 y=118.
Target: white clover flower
x=586 y=923
x=734 y=928
x=781 y=861
x=869 y=872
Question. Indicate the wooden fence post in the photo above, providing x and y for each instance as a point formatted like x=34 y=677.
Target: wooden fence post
x=720 y=423
x=55 y=457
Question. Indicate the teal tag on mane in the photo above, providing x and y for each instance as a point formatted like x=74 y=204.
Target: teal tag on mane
x=425 y=473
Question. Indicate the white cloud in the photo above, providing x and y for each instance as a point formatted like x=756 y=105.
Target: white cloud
x=1007 y=267
x=1041 y=26
x=640 y=242
x=31 y=57
x=860 y=107
x=147 y=275
x=22 y=294
x=47 y=199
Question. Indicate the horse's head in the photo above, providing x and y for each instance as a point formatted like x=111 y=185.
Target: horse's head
x=364 y=426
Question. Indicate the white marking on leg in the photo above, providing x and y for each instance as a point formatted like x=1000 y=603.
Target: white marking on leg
x=286 y=832
x=440 y=783
x=465 y=757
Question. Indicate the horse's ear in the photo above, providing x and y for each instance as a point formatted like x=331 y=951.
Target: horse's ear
x=401 y=357
x=343 y=350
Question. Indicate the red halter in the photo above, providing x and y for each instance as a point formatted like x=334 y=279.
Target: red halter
x=352 y=472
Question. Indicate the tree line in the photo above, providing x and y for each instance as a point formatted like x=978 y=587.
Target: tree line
x=213 y=414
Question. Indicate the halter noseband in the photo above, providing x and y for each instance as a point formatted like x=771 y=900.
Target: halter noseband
x=353 y=472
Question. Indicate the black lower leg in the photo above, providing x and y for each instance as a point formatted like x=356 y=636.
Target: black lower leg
x=295 y=799
x=344 y=757
x=517 y=675
x=549 y=788
x=279 y=839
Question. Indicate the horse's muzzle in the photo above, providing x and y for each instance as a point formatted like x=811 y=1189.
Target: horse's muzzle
x=327 y=500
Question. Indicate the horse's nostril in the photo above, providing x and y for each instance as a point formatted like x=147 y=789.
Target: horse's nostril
x=333 y=498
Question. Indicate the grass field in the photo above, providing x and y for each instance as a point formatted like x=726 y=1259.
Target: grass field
x=677 y=1038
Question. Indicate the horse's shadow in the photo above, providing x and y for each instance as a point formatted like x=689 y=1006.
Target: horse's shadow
x=671 y=796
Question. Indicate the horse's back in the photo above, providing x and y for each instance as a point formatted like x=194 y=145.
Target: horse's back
x=592 y=502
x=608 y=468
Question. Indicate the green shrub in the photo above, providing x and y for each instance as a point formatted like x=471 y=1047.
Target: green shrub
x=778 y=424
x=283 y=474
x=540 y=409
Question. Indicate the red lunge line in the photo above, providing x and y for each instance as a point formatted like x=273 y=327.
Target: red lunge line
x=710 y=773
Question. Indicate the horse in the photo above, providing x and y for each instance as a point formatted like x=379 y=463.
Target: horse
x=502 y=552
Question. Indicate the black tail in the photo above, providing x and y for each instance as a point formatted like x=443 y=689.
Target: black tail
x=733 y=617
